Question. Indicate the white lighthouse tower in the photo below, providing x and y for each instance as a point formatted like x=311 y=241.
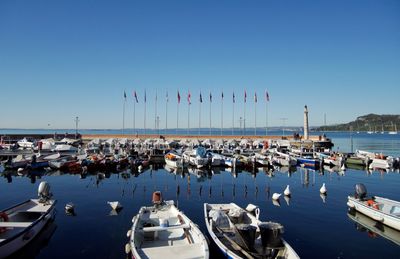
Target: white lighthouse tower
x=305 y=122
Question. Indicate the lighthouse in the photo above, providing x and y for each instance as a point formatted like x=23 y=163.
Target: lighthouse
x=305 y=122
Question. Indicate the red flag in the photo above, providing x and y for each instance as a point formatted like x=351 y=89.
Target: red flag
x=266 y=95
x=179 y=98
x=189 y=96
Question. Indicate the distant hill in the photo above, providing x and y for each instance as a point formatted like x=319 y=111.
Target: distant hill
x=369 y=122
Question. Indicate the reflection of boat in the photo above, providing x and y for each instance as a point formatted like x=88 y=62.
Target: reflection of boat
x=240 y=234
x=162 y=230
x=33 y=249
x=22 y=222
x=378 y=208
x=365 y=223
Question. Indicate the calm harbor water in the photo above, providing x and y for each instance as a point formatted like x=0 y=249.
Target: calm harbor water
x=314 y=227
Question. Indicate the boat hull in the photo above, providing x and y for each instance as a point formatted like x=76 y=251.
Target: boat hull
x=374 y=213
x=15 y=243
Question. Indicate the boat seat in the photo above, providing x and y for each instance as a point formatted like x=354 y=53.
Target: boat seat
x=159 y=228
x=181 y=251
x=15 y=224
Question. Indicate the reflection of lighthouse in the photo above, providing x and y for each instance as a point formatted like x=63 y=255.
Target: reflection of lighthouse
x=305 y=122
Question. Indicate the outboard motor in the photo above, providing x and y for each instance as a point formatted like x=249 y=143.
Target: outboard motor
x=44 y=192
x=271 y=233
x=361 y=191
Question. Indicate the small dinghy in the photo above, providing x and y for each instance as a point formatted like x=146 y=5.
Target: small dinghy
x=380 y=209
x=22 y=222
x=240 y=234
x=162 y=231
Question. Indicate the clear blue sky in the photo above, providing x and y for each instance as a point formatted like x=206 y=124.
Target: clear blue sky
x=61 y=59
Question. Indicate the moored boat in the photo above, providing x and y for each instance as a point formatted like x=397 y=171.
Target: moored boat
x=173 y=159
x=240 y=234
x=163 y=231
x=380 y=209
x=22 y=222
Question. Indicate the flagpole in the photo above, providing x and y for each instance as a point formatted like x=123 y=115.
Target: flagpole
x=134 y=117
x=123 y=116
x=255 y=115
x=145 y=104
x=177 y=113
x=166 y=114
x=188 y=119
x=233 y=115
x=244 y=114
x=266 y=118
x=222 y=111
x=155 y=115
x=210 y=113
x=200 y=101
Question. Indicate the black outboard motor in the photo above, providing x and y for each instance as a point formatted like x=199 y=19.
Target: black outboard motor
x=361 y=191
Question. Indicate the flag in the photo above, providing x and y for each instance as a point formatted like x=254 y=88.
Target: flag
x=145 y=96
x=266 y=95
x=245 y=95
x=135 y=95
x=124 y=94
x=179 y=98
x=156 y=97
x=222 y=95
x=201 y=98
x=255 y=97
x=188 y=98
x=166 y=96
x=233 y=97
x=210 y=97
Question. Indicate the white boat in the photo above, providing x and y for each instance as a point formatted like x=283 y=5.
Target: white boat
x=25 y=143
x=240 y=234
x=162 y=231
x=175 y=160
x=196 y=157
x=283 y=159
x=393 y=132
x=22 y=222
x=65 y=148
x=380 y=209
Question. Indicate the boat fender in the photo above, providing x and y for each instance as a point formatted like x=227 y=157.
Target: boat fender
x=3 y=218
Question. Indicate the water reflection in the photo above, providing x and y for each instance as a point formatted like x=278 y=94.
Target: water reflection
x=33 y=248
x=373 y=228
